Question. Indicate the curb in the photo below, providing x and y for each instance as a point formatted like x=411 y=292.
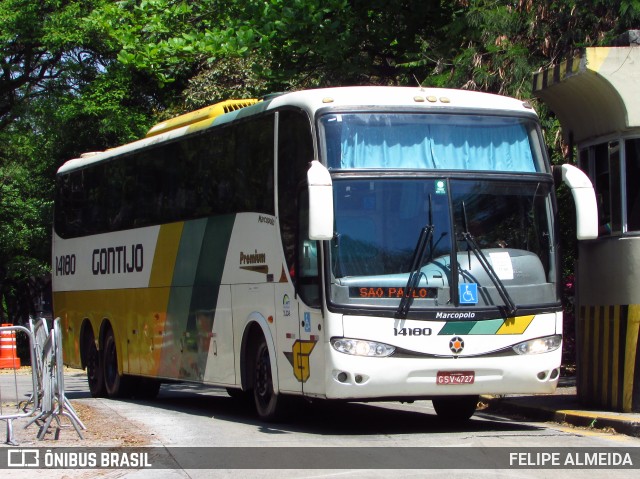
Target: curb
x=588 y=419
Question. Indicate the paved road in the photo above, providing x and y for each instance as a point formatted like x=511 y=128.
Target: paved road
x=188 y=416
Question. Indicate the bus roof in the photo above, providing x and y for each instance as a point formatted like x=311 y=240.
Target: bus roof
x=313 y=100
x=374 y=96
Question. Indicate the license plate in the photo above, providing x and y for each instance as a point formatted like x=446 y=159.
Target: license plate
x=453 y=378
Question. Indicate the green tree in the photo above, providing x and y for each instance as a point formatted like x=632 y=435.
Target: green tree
x=499 y=43
x=291 y=43
x=43 y=49
x=82 y=75
x=62 y=92
x=490 y=45
x=23 y=234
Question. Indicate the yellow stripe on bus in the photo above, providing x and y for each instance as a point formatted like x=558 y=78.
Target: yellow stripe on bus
x=516 y=325
x=165 y=255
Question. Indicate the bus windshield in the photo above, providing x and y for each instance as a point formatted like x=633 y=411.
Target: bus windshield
x=379 y=221
x=431 y=141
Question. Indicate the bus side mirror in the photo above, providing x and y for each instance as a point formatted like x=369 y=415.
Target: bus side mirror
x=585 y=199
x=320 y=202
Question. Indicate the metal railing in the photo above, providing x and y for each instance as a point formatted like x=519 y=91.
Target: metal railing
x=34 y=376
x=47 y=402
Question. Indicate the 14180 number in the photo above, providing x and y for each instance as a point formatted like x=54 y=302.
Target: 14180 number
x=412 y=332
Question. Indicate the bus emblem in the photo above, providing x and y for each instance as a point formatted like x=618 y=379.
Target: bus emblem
x=456 y=345
x=299 y=359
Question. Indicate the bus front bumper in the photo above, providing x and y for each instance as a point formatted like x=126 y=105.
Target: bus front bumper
x=354 y=377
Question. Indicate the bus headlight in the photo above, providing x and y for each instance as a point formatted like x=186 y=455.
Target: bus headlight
x=358 y=347
x=540 y=345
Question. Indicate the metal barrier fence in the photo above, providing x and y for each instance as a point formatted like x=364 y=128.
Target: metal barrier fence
x=47 y=401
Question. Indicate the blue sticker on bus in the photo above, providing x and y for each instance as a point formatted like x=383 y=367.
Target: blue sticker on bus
x=307 y=322
x=468 y=293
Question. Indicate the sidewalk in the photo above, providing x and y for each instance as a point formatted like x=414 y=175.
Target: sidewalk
x=564 y=407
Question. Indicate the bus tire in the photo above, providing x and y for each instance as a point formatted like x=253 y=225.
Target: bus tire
x=455 y=409
x=95 y=371
x=116 y=384
x=268 y=404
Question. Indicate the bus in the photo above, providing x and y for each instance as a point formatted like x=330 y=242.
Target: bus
x=605 y=133
x=353 y=243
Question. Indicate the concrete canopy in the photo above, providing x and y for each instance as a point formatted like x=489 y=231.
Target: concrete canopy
x=594 y=94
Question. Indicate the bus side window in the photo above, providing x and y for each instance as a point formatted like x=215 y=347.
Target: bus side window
x=309 y=259
x=307 y=274
x=295 y=150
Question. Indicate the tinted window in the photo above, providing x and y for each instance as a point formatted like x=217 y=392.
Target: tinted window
x=295 y=151
x=221 y=171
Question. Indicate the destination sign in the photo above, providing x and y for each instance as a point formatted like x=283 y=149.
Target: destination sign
x=391 y=292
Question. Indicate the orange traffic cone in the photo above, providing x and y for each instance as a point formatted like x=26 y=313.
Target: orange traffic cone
x=8 y=351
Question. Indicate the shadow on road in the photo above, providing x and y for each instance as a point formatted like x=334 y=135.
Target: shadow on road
x=321 y=417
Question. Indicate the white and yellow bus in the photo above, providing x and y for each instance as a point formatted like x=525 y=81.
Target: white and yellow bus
x=363 y=243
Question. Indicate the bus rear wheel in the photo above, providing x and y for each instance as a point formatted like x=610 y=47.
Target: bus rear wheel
x=95 y=372
x=455 y=409
x=116 y=384
x=268 y=404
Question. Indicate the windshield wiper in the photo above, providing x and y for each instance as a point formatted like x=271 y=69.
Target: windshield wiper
x=424 y=240
x=426 y=234
x=511 y=307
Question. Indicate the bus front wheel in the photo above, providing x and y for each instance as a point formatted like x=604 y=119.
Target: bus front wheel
x=268 y=403
x=455 y=409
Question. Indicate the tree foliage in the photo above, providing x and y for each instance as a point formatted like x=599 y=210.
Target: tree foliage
x=45 y=47
x=62 y=92
x=490 y=45
x=501 y=43
x=299 y=43
x=24 y=218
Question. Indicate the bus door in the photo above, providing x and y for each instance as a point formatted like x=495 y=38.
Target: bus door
x=288 y=336
x=298 y=313
x=309 y=353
